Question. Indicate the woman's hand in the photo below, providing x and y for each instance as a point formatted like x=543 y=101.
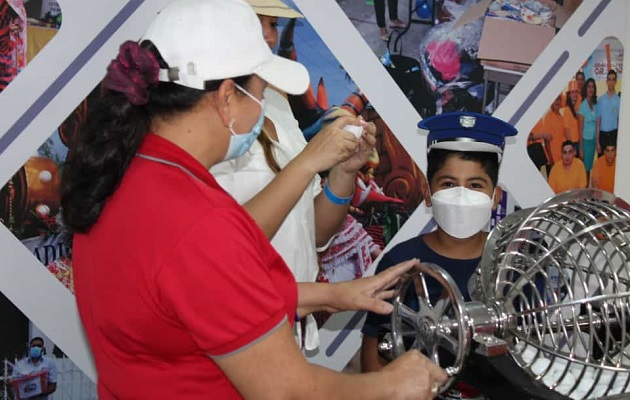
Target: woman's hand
x=369 y=293
x=414 y=376
x=366 y=144
x=329 y=147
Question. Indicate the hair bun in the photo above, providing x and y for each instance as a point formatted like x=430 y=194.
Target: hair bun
x=133 y=72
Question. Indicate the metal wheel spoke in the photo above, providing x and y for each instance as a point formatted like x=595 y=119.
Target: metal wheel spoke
x=408 y=315
x=420 y=284
x=448 y=342
x=442 y=305
x=435 y=355
x=416 y=344
x=436 y=322
x=408 y=331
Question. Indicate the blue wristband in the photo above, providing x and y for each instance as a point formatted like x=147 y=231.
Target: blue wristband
x=342 y=201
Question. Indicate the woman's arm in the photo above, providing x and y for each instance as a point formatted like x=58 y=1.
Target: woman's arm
x=546 y=138
x=581 y=135
x=566 y=121
x=287 y=375
x=359 y=294
x=328 y=215
x=271 y=205
x=341 y=182
x=274 y=368
x=598 y=147
x=371 y=361
x=537 y=136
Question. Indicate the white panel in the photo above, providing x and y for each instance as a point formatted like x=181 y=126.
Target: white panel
x=22 y=277
x=24 y=280
x=525 y=183
x=343 y=39
x=622 y=183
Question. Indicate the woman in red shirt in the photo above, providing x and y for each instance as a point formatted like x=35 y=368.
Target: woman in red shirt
x=180 y=292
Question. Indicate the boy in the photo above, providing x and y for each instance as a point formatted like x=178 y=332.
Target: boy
x=569 y=172
x=603 y=173
x=463 y=152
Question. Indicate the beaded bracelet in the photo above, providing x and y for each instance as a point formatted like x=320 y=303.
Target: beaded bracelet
x=342 y=201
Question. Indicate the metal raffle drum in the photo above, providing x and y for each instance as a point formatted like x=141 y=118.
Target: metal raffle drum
x=552 y=293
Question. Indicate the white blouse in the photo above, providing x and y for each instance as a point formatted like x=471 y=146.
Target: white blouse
x=247 y=175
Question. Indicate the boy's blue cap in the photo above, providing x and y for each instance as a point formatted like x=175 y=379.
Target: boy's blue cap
x=467 y=131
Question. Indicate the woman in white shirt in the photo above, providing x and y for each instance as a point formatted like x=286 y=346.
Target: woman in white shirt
x=283 y=190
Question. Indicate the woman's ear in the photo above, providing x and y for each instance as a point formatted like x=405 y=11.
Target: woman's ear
x=224 y=100
x=498 y=196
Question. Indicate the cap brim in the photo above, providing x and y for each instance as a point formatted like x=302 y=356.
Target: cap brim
x=275 y=11
x=457 y=145
x=289 y=76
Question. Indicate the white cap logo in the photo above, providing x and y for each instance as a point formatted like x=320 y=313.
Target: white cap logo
x=467 y=121
x=191 y=68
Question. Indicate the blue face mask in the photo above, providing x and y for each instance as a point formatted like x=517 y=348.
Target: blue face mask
x=241 y=142
x=35 y=352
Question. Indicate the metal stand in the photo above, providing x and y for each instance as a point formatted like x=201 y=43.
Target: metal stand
x=434 y=15
x=411 y=20
x=498 y=76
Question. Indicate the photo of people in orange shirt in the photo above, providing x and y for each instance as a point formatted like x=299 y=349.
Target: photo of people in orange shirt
x=574 y=144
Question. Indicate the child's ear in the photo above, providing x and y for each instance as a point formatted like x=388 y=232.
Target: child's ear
x=498 y=195
x=424 y=186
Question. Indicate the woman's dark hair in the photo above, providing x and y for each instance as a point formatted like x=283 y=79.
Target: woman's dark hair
x=579 y=73
x=108 y=139
x=594 y=98
x=488 y=161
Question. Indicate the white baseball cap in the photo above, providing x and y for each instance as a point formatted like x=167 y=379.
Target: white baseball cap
x=273 y=8
x=206 y=40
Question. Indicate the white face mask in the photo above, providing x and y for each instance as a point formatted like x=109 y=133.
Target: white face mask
x=461 y=212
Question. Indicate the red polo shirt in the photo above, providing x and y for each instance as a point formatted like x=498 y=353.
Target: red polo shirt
x=174 y=273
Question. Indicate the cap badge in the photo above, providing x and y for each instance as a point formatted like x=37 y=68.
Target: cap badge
x=467 y=121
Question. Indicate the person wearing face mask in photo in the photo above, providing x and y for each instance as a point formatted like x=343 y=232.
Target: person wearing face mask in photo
x=195 y=303
x=34 y=363
x=295 y=213
x=464 y=154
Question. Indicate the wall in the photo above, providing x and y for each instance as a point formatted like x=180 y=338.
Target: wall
x=74 y=62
